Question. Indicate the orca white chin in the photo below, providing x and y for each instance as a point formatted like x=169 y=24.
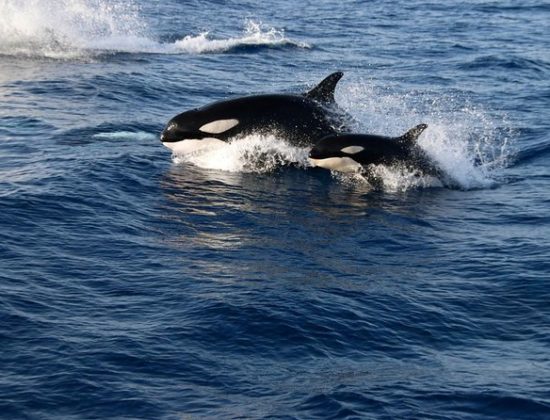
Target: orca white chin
x=340 y=164
x=191 y=146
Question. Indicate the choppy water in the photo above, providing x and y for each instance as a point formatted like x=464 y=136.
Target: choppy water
x=136 y=285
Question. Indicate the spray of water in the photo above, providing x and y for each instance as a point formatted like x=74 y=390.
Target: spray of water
x=254 y=34
x=69 y=29
x=65 y=28
x=127 y=135
x=253 y=153
x=465 y=140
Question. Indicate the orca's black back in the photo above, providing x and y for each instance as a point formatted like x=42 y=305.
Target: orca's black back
x=298 y=119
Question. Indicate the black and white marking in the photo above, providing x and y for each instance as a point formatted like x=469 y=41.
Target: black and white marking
x=354 y=152
x=299 y=119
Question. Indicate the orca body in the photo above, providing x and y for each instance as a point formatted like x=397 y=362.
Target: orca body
x=355 y=152
x=300 y=119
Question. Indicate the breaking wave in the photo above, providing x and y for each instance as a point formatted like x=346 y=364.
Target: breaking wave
x=254 y=35
x=72 y=29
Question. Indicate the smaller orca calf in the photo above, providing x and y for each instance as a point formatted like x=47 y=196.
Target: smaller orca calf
x=354 y=152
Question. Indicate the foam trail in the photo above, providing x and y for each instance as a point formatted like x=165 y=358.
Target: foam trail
x=464 y=140
x=71 y=29
x=254 y=35
x=66 y=28
x=127 y=135
x=253 y=153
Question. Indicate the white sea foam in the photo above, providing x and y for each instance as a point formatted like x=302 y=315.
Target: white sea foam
x=126 y=135
x=65 y=28
x=254 y=34
x=253 y=153
x=466 y=141
x=68 y=29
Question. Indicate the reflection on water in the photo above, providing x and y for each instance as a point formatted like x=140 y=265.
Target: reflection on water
x=296 y=226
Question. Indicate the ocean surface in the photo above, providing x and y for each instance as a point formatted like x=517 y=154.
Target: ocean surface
x=245 y=283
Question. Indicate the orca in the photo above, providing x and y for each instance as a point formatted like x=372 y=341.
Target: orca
x=299 y=119
x=353 y=153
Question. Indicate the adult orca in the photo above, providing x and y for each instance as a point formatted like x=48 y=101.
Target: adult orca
x=355 y=152
x=299 y=119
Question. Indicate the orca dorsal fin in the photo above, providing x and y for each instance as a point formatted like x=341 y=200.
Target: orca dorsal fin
x=411 y=135
x=324 y=91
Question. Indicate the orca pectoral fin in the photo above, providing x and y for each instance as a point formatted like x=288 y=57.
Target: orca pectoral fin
x=413 y=134
x=324 y=91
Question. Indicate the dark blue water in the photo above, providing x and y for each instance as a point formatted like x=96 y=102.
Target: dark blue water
x=136 y=285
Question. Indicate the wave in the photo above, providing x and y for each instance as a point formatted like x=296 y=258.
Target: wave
x=533 y=152
x=254 y=35
x=75 y=29
x=508 y=62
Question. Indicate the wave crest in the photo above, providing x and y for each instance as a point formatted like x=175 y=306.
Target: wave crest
x=255 y=35
x=66 y=28
x=72 y=29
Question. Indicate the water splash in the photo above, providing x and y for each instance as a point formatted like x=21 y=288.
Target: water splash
x=467 y=142
x=254 y=153
x=126 y=135
x=66 y=28
x=72 y=29
x=254 y=34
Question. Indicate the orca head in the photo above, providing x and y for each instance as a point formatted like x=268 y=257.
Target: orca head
x=336 y=154
x=195 y=129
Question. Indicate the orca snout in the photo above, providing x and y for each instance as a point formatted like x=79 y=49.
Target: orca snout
x=171 y=133
x=168 y=137
x=322 y=149
x=313 y=153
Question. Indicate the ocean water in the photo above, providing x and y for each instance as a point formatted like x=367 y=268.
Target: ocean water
x=244 y=283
